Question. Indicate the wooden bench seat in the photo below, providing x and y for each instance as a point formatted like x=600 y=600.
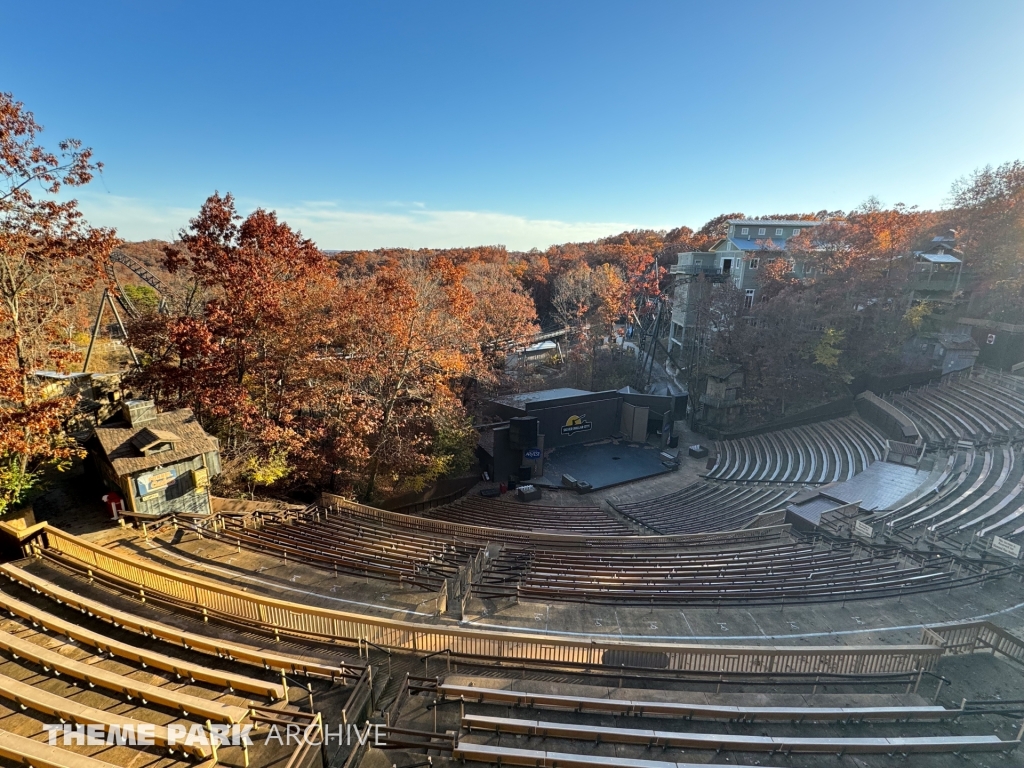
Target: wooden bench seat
x=831 y=464
x=190 y=640
x=741 y=743
x=485 y=753
x=940 y=431
x=970 y=401
x=1005 y=467
x=93 y=675
x=35 y=698
x=943 y=410
x=1010 y=405
x=709 y=712
x=37 y=754
x=1010 y=498
x=178 y=667
x=960 y=497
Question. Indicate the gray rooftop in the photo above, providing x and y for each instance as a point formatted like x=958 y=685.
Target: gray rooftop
x=939 y=258
x=877 y=487
x=522 y=398
x=775 y=222
x=813 y=510
x=765 y=244
x=115 y=440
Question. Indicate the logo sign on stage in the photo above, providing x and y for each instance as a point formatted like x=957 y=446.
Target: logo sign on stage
x=576 y=424
x=533 y=453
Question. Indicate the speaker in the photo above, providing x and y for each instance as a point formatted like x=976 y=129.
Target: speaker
x=525 y=473
x=522 y=432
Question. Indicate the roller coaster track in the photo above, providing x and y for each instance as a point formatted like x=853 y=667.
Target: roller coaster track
x=115 y=291
x=120 y=257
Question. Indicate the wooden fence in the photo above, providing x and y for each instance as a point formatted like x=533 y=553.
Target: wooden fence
x=283 y=618
x=974 y=637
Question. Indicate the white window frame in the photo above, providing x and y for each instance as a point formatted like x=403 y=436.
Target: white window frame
x=796 y=231
x=754 y=263
x=745 y=231
x=778 y=231
x=761 y=231
x=748 y=298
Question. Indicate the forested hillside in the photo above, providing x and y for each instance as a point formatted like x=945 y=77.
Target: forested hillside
x=362 y=371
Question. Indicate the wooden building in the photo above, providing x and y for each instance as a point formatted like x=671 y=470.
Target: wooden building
x=160 y=463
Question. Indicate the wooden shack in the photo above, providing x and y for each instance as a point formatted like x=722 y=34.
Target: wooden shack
x=160 y=463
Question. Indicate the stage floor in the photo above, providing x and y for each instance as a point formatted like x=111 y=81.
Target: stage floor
x=603 y=464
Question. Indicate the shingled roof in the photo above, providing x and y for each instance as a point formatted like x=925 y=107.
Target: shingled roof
x=116 y=441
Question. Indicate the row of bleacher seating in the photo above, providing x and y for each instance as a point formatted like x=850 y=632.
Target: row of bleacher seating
x=691 y=711
x=794 y=573
x=704 y=506
x=495 y=513
x=349 y=546
x=824 y=452
x=738 y=743
x=619 y=573
x=577 y=740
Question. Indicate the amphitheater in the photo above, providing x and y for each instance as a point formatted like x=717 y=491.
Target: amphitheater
x=749 y=612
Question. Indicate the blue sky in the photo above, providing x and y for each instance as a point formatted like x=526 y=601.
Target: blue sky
x=445 y=124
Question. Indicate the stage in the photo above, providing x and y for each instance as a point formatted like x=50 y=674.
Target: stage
x=602 y=464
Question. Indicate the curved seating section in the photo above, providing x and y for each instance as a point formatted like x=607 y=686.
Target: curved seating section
x=824 y=452
x=155 y=630
x=704 y=506
x=762 y=575
x=980 y=491
x=496 y=513
x=625 y=570
x=103 y=660
x=974 y=410
x=347 y=545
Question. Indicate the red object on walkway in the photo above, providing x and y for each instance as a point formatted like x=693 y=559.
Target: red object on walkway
x=114 y=503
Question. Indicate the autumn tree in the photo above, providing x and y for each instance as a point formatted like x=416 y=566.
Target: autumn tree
x=503 y=311
x=49 y=256
x=246 y=358
x=418 y=345
x=988 y=219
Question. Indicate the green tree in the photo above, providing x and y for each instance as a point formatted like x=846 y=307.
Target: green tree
x=145 y=298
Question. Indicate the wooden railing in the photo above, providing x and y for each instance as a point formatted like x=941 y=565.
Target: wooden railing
x=218 y=600
x=974 y=637
x=481 y=533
